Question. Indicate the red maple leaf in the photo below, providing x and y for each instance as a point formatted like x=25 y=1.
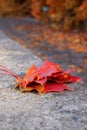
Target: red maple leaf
x=55 y=87
x=47 y=77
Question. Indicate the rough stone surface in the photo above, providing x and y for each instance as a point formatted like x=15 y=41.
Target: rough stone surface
x=30 y=111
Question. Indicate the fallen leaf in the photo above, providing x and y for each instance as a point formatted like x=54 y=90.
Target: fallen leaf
x=48 y=77
x=55 y=87
x=48 y=68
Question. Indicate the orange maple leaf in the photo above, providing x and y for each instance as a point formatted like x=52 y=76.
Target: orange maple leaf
x=47 y=77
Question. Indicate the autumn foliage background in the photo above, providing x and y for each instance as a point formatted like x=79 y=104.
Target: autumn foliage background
x=61 y=14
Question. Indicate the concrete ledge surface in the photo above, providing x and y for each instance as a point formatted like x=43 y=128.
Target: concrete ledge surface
x=29 y=111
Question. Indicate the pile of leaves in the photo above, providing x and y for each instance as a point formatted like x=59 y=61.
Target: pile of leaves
x=48 y=77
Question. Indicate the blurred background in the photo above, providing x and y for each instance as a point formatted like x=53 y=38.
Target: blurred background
x=61 y=14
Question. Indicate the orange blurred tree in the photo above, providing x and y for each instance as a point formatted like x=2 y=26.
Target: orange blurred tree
x=65 y=14
x=62 y=14
x=14 y=7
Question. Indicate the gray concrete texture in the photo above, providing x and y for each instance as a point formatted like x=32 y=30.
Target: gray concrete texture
x=30 y=111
